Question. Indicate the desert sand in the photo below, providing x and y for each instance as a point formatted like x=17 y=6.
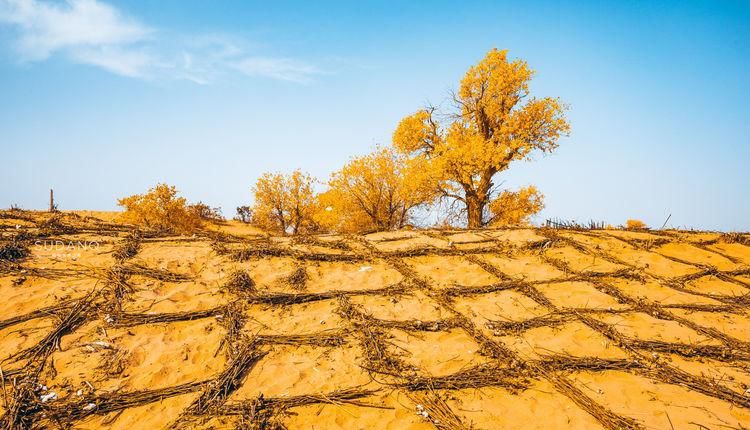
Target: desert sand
x=486 y=329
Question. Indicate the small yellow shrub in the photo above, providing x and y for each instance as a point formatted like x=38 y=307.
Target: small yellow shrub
x=160 y=209
x=515 y=207
x=635 y=224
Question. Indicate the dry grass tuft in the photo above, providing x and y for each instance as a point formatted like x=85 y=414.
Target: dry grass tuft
x=297 y=279
x=14 y=250
x=240 y=283
x=735 y=238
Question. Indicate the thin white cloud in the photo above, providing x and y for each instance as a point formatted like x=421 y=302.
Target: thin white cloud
x=50 y=27
x=125 y=62
x=284 y=69
x=95 y=33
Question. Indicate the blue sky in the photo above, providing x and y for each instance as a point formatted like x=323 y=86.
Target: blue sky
x=104 y=99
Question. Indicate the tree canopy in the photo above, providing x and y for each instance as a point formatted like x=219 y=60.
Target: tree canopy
x=493 y=122
x=160 y=209
x=285 y=203
x=374 y=192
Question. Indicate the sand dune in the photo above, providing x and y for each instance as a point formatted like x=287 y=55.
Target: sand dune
x=491 y=329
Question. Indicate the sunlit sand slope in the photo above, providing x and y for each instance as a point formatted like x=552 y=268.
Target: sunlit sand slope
x=493 y=329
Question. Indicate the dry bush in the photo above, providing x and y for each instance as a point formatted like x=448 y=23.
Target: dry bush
x=512 y=208
x=375 y=192
x=240 y=282
x=13 y=251
x=635 y=224
x=735 y=238
x=297 y=279
x=160 y=209
x=206 y=212
x=285 y=203
x=244 y=214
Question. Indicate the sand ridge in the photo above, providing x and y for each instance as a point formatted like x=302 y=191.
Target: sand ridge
x=509 y=328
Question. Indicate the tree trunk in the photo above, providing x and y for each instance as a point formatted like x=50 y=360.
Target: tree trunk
x=474 y=209
x=476 y=199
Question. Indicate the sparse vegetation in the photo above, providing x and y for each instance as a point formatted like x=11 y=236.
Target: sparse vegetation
x=298 y=278
x=451 y=157
x=405 y=287
x=512 y=208
x=244 y=214
x=13 y=250
x=563 y=224
x=285 y=204
x=206 y=212
x=240 y=282
x=160 y=209
x=635 y=224
x=378 y=312
x=375 y=192
x=736 y=238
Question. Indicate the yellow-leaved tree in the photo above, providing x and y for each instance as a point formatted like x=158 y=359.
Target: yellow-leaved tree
x=285 y=203
x=160 y=209
x=375 y=192
x=493 y=123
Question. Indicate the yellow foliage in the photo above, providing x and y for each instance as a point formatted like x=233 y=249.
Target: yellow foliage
x=494 y=124
x=206 y=212
x=416 y=132
x=635 y=224
x=373 y=193
x=160 y=209
x=512 y=208
x=285 y=203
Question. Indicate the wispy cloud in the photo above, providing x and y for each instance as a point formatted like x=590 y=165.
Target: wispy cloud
x=278 y=68
x=115 y=59
x=83 y=30
x=95 y=33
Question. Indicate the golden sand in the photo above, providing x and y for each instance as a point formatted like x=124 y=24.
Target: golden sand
x=491 y=329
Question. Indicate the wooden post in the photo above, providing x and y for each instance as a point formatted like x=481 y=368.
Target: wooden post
x=51 y=200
